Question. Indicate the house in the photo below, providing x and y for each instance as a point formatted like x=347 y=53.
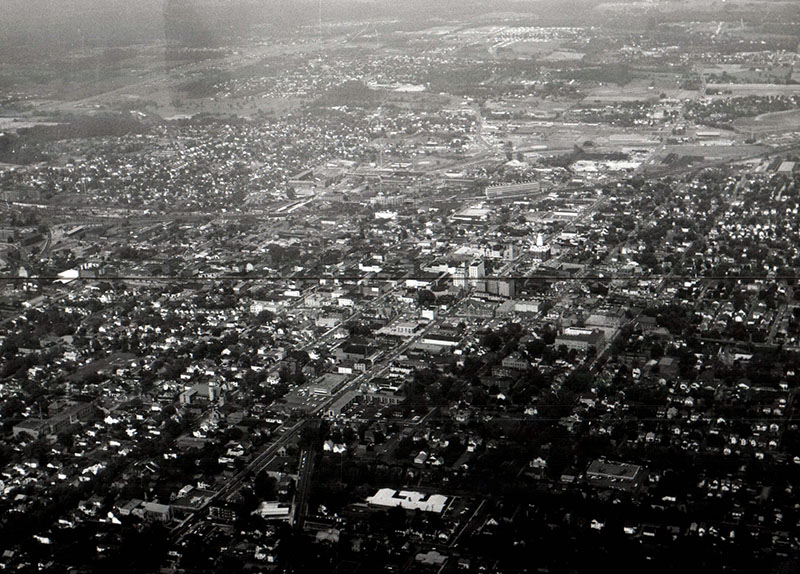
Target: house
x=431 y=558
x=580 y=339
x=127 y=508
x=515 y=361
x=329 y=535
x=647 y=324
x=33 y=428
x=669 y=367
x=153 y=511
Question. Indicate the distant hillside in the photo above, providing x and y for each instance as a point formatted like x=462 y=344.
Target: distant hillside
x=32 y=28
x=40 y=26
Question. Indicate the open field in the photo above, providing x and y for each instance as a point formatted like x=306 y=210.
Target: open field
x=635 y=91
x=716 y=151
x=775 y=122
x=546 y=51
x=739 y=90
x=153 y=82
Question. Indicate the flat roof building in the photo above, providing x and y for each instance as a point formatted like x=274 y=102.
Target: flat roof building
x=327 y=385
x=408 y=500
x=619 y=475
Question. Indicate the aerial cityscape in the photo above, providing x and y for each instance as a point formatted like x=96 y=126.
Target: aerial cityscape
x=359 y=286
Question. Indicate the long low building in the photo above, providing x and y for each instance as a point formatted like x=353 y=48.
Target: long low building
x=273 y=511
x=513 y=189
x=347 y=399
x=441 y=340
x=382 y=397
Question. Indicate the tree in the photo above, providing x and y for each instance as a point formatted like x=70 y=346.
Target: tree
x=425 y=298
x=549 y=335
x=396 y=517
x=66 y=439
x=656 y=350
x=492 y=341
x=265 y=316
x=265 y=486
x=404 y=448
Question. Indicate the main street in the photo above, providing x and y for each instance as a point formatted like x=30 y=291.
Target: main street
x=305 y=467
x=305 y=471
x=254 y=467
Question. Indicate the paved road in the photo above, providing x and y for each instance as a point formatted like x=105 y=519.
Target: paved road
x=305 y=472
x=254 y=467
